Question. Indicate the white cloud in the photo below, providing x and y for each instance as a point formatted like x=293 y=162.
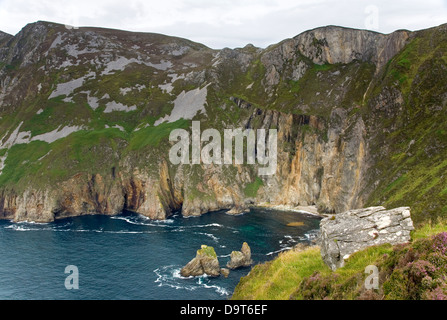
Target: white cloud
x=223 y=23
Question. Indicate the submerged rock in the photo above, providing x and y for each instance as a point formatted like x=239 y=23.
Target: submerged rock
x=205 y=262
x=241 y=258
x=344 y=234
x=225 y=272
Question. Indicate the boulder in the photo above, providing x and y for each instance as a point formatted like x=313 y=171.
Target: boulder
x=241 y=258
x=343 y=234
x=225 y=272
x=205 y=262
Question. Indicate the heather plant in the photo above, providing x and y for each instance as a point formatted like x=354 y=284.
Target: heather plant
x=415 y=270
x=407 y=272
x=421 y=269
x=318 y=286
x=423 y=275
x=439 y=293
x=440 y=243
x=440 y=260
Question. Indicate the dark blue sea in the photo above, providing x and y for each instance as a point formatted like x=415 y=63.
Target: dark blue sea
x=130 y=257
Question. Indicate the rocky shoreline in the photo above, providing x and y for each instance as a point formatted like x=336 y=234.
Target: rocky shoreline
x=311 y=210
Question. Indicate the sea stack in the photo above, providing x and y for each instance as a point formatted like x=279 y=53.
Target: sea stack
x=240 y=259
x=205 y=262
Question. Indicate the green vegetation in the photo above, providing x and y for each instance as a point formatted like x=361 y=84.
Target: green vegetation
x=251 y=190
x=409 y=155
x=411 y=169
x=323 y=67
x=207 y=251
x=323 y=86
x=402 y=108
x=22 y=161
x=417 y=271
x=277 y=279
x=152 y=136
x=92 y=151
x=41 y=164
x=346 y=283
x=412 y=271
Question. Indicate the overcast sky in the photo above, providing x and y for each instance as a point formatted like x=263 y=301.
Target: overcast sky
x=226 y=23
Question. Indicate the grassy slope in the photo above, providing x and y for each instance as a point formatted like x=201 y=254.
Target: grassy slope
x=277 y=279
x=410 y=152
x=302 y=274
x=98 y=147
x=410 y=166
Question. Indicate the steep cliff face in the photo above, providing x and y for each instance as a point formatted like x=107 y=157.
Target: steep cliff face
x=4 y=38
x=341 y=45
x=405 y=115
x=86 y=116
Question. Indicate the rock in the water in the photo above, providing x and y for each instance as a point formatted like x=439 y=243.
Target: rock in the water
x=225 y=272
x=205 y=262
x=344 y=234
x=241 y=258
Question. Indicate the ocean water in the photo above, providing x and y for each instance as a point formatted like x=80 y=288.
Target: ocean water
x=130 y=257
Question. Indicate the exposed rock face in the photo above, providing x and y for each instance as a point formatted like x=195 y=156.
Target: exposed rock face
x=4 y=37
x=321 y=171
x=205 y=262
x=330 y=45
x=351 y=231
x=225 y=272
x=327 y=45
x=323 y=90
x=241 y=258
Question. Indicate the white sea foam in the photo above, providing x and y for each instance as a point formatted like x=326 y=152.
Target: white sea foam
x=289 y=242
x=141 y=220
x=212 y=236
x=277 y=251
x=210 y=225
x=220 y=290
x=206 y=225
x=109 y=231
x=25 y=226
x=312 y=235
x=170 y=276
x=28 y=226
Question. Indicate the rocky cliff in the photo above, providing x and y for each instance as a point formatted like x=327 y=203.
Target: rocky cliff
x=349 y=232
x=86 y=116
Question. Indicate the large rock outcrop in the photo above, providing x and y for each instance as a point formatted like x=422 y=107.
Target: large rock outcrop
x=346 y=233
x=335 y=44
x=205 y=262
x=240 y=259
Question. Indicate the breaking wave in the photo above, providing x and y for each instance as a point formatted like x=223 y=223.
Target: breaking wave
x=170 y=276
x=143 y=256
